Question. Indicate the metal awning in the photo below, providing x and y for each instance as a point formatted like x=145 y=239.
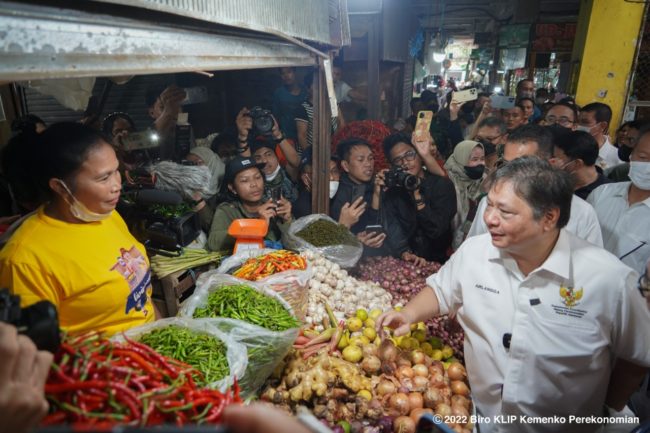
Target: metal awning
x=38 y=42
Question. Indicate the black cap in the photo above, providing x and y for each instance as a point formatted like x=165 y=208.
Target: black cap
x=237 y=165
x=257 y=144
x=306 y=157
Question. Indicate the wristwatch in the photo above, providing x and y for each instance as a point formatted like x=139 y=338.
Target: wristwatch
x=279 y=140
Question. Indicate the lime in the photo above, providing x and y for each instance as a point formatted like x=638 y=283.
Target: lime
x=352 y=353
x=344 y=341
x=355 y=324
x=436 y=355
x=447 y=351
x=364 y=393
x=370 y=333
x=420 y=335
x=436 y=343
x=362 y=314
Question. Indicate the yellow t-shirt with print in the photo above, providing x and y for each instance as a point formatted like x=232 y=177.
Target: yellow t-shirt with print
x=96 y=274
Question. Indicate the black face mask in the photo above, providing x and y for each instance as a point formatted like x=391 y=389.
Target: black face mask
x=624 y=153
x=475 y=172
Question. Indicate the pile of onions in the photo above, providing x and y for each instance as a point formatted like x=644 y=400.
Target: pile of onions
x=403 y=280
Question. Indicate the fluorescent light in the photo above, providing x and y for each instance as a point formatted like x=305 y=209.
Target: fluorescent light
x=497 y=89
x=439 y=56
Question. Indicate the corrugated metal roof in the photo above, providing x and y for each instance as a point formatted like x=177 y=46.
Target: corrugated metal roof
x=304 y=19
x=42 y=42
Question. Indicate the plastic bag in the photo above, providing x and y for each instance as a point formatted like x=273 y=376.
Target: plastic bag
x=292 y=285
x=346 y=256
x=265 y=348
x=235 y=352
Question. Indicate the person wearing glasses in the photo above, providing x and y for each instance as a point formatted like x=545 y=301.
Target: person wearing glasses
x=562 y=114
x=418 y=219
x=492 y=135
x=623 y=209
x=466 y=169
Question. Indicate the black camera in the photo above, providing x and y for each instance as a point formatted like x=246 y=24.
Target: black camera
x=396 y=177
x=39 y=322
x=262 y=121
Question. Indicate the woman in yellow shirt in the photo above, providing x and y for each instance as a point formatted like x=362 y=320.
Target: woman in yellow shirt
x=76 y=250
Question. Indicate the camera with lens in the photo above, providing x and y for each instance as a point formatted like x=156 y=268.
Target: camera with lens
x=39 y=322
x=262 y=121
x=396 y=177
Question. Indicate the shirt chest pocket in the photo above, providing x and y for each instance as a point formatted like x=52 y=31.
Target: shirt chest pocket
x=628 y=244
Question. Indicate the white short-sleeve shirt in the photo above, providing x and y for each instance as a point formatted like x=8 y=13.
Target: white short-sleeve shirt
x=626 y=229
x=568 y=320
x=583 y=221
x=608 y=155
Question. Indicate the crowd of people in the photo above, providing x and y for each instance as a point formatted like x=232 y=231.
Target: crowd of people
x=536 y=204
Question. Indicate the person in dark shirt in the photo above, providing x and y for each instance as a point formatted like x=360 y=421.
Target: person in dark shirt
x=576 y=152
x=286 y=100
x=418 y=220
x=358 y=190
x=302 y=206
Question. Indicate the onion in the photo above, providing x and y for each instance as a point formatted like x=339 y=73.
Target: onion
x=385 y=387
x=417 y=356
x=403 y=360
x=387 y=351
x=436 y=379
x=415 y=400
x=459 y=387
x=399 y=402
x=420 y=383
x=436 y=367
x=460 y=400
x=418 y=412
x=369 y=349
x=405 y=371
x=388 y=368
x=459 y=412
x=371 y=364
x=456 y=371
x=431 y=397
x=443 y=409
x=421 y=370
x=385 y=424
x=403 y=424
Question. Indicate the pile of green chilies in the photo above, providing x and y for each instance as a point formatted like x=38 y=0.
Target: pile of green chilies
x=205 y=353
x=242 y=302
x=95 y=383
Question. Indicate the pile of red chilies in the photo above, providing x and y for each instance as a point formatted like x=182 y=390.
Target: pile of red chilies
x=97 y=382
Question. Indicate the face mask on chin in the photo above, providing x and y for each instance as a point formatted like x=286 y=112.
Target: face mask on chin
x=270 y=177
x=334 y=186
x=640 y=174
x=80 y=211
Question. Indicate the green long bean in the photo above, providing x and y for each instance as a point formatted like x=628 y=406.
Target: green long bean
x=202 y=351
x=245 y=303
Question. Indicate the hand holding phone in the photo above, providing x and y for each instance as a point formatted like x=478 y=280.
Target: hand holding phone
x=423 y=123
x=465 y=95
x=374 y=229
x=502 y=102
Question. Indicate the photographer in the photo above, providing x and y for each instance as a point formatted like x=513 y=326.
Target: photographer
x=357 y=192
x=164 y=104
x=418 y=206
x=23 y=372
x=244 y=190
x=259 y=124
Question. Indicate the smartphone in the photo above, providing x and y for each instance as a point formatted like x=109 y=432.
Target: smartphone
x=357 y=191
x=428 y=423
x=464 y=95
x=276 y=195
x=423 y=122
x=374 y=228
x=502 y=102
x=140 y=140
x=195 y=95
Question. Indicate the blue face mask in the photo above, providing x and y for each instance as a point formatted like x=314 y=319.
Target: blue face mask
x=80 y=211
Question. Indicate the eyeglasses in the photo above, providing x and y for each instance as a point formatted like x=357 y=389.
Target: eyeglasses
x=408 y=156
x=563 y=121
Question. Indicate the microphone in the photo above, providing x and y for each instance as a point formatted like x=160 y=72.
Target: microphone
x=156 y=196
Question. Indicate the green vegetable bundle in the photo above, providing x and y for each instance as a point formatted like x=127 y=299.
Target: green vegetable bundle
x=242 y=302
x=189 y=258
x=202 y=351
x=323 y=233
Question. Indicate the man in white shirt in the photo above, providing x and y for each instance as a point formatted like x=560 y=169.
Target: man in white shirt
x=594 y=118
x=545 y=313
x=538 y=140
x=623 y=209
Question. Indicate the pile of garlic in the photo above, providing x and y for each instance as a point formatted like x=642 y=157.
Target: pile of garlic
x=343 y=293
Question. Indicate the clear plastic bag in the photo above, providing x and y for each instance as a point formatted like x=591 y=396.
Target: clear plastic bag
x=235 y=351
x=265 y=348
x=346 y=256
x=292 y=285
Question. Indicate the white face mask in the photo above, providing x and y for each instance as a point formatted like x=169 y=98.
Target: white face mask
x=270 y=177
x=586 y=129
x=80 y=211
x=640 y=174
x=334 y=186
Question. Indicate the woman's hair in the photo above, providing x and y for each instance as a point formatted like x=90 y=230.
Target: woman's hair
x=26 y=124
x=61 y=150
x=16 y=161
x=109 y=121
